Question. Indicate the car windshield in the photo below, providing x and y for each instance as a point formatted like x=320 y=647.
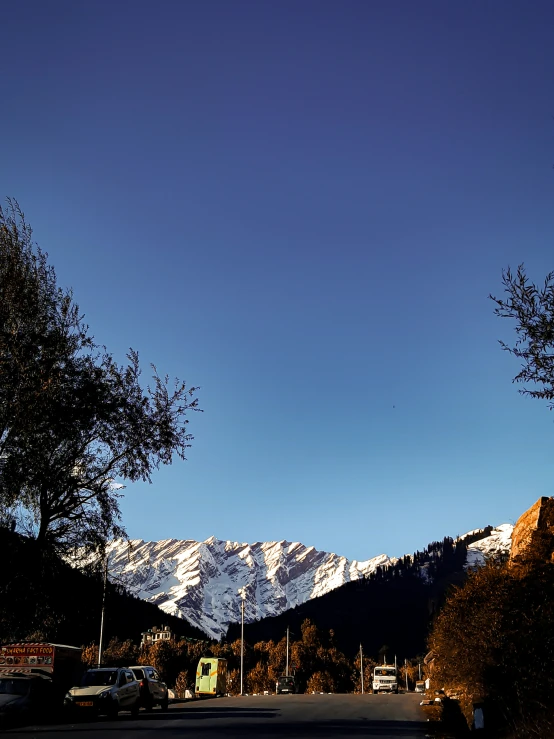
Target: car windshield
x=139 y=674
x=14 y=687
x=383 y=671
x=99 y=677
x=286 y=681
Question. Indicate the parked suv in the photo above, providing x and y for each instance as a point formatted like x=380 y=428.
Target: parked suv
x=106 y=690
x=152 y=690
x=285 y=684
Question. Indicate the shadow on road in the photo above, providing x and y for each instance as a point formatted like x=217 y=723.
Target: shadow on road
x=215 y=710
x=199 y=713
x=320 y=729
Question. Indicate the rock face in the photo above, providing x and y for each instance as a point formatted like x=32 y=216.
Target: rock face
x=203 y=582
x=537 y=520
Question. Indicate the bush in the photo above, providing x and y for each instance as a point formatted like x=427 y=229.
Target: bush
x=494 y=643
x=321 y=682
x=182 y=684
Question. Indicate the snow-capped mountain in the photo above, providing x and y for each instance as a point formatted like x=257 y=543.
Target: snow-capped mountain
x=497 y=543
x=204 y=582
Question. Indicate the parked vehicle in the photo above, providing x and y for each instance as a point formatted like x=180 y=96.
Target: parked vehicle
x=420 y=686
x=285 y=684
x=385 y=679
x=24 y=698
x=58 y=662
x=211 y=677
x=106 y=690
x=153 y=692
x=34 y=677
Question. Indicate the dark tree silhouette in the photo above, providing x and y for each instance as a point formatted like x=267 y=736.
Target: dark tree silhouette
x=532 y=309
x=72 y=420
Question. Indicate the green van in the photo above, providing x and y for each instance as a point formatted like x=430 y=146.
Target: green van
x=211 y=677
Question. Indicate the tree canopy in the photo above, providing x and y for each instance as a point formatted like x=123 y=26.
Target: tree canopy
x=493 y=642
x=532 y=308
x=74 y=424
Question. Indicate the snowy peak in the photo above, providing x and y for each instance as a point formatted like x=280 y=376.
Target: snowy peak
x=496 y=544
x=203 y=581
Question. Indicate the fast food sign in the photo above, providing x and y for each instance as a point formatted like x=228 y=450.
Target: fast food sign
x=27 y=649
x=26 y=654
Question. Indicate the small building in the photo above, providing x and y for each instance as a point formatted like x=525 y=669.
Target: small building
x=156 y=634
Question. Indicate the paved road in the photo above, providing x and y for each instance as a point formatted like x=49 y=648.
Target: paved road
x=273 y=716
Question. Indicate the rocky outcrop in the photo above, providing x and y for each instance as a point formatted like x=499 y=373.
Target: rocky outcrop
x=535 y=523
x=205 y=582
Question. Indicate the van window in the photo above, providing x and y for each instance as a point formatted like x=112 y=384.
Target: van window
x=206 y=669
x=286 y=680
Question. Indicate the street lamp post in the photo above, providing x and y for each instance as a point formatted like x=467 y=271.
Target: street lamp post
x=362 y=667
x=103 y=610
x=241 y=642
x=287 y=667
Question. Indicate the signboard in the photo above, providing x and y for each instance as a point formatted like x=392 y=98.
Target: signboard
x=27 y=655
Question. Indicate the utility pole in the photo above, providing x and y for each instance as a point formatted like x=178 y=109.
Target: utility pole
x=103 y=610
x=406 y=673
x=362 y=667
x=241 y=642
x=419 y=665
x=287 y=667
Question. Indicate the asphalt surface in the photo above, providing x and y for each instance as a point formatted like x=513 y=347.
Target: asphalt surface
x=272 y=716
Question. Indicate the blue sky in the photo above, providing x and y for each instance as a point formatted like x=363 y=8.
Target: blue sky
x=301 y=207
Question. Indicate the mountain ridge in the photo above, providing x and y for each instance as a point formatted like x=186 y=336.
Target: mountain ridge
x=204 y=582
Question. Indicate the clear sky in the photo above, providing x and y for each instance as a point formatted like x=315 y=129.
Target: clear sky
x=301 y=206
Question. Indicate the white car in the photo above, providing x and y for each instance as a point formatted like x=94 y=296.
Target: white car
x=106 y=690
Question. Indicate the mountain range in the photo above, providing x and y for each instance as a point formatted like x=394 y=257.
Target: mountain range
x=204 y=582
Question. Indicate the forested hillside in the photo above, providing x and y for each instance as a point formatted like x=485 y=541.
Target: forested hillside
x=43 y=598
x=393 y=606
